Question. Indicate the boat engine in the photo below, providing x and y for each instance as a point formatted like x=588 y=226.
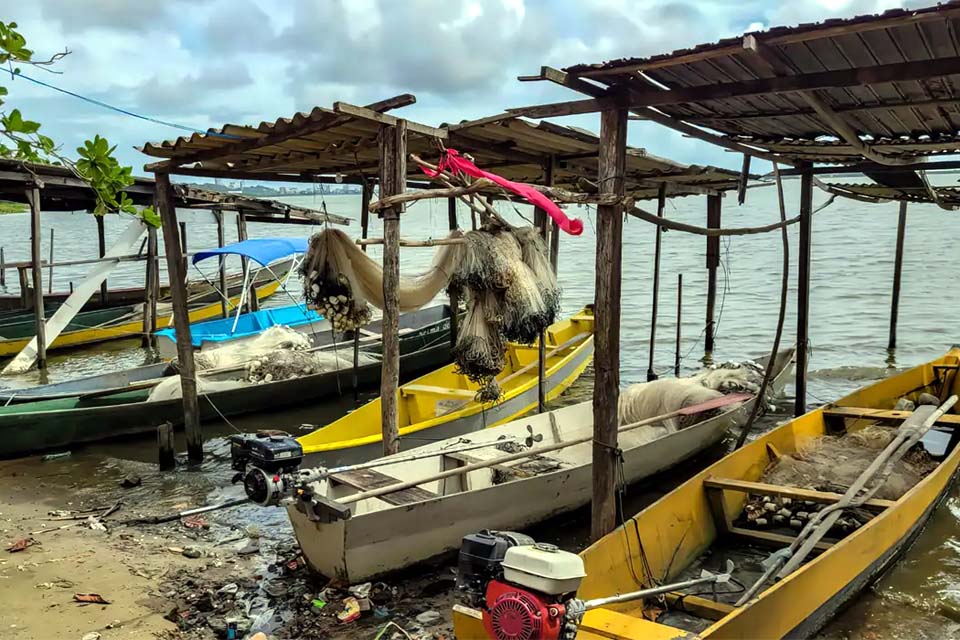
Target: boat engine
x=266 y=465
x=520 y=586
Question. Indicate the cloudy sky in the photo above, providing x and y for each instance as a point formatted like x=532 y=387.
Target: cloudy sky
x=203 y=63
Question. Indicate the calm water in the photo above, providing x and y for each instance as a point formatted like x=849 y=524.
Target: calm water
x=853 y=246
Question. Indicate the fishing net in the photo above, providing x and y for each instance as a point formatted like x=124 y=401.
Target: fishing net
x=732 y=377
x=169 y=388
x=648 y=399
x=505 y=276
x=238 y=352
x=285 y=364
x=833 y=463
x=342 y=281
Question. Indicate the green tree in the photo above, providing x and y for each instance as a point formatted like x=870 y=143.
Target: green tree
x=21 y=139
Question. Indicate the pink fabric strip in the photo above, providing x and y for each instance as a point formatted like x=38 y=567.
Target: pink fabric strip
x=456 y=163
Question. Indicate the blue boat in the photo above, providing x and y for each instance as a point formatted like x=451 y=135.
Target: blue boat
x=213 y=333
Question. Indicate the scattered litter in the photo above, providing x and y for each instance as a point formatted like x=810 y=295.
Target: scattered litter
x=94 y=523
x=195 y=522
x=252 y=530
x=351 y=610
x=93 y=635
x=229 y=588
x=55 y=456
x=175 y=549
x=89 y=598
x=59 y=584
x=247 y=548
x=428 y=618
x=361 y=590
x=129 y=482
x=318 y=604
x=191 y=552
x=21 y=544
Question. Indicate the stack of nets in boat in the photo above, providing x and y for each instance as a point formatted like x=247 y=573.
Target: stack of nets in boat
x=169 y=388
x=648 y=399
x=284 y=365
x=832 y=463
x=240 y=352
x=505 y=276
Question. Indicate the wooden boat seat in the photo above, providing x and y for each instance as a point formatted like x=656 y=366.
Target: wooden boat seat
x=367 y=479
x=409 y=389
x=466 y=458
x=883 y=415
x=763 y=489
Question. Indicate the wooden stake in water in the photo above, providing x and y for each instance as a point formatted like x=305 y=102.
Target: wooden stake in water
x=3 y=269
x=50 y=268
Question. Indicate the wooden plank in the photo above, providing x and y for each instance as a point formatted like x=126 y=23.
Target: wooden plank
x=771 y=539
x=882 y=415
x=764 y=489
x=181 y=318
x=466 y=458
x=384 y=119
x=38 y=310
x=879 y=74
x=606 y=387
x=440 y=391
x=393 y=170
x=367 y=479
x=699 y=606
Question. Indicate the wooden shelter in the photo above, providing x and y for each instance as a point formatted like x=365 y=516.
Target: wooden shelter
x=57 y=188
x=352 y=144
x=880 y=93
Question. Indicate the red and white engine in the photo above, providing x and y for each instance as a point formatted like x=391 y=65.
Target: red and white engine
x=520 y=586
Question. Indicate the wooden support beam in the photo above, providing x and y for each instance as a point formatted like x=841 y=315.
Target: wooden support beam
x=365 y=195
x=242 y=146
x=102 y=246
x=803 y=292
x=253 y=302
x=713 y=261
x=382 y=118
x=652 y=97
x=151 y=286
x=713 y=118
x=591 y=89
x=606 y=387
x=393 y=171
x=744 y=179
x=454 y=295
x=655 y=301
x=184 y=249
x=221 y=241
x=40 y=321
x=181 y=317
x=897 y=272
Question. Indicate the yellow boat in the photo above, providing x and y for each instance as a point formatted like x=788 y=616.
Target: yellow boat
x=701 y=523
x=101 y=325
x=441 y=404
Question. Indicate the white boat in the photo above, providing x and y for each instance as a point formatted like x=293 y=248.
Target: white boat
x=402 y=528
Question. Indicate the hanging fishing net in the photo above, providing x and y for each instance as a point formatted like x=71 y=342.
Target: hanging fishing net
x=833 y=463
x=504 y=275
x=342 y=281
x=284 y=365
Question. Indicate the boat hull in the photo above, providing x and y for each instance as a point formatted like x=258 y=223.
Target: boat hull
x=65 y=422
x=376 y=542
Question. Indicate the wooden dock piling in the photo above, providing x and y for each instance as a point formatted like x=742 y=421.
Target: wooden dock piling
x=393 y=177
x=606 y=386
x=713 y=261
x=803 y=288
x=166 y=452
x=181 y=317
x=151 y=286
x=897 y=272
x=454 y=295
x=3 y=269
x=102 y=249
x=50 y=264
x=221 y=241
x=661 y=205
x=36 y=261
x=676 y=356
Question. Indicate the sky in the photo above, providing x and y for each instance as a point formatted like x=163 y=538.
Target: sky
x=204 y=63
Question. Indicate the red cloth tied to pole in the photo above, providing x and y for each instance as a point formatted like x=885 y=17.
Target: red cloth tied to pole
x=455 y=163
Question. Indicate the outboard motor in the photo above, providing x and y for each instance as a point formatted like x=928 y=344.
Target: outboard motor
x=265 y=464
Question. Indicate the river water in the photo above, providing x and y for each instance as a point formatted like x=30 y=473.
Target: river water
x=853 y=248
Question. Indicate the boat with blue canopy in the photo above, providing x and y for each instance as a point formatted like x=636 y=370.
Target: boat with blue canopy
x=214 y=333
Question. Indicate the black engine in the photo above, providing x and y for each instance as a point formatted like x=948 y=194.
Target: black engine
x=262 y=462
x=481 y=558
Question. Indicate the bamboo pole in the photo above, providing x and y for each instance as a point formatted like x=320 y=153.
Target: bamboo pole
x=537 y=451
x=102 y=247
x=606 y=387
x=393 y=162
x=50 y=267
x=803 y=289
x=897 y=272
x=181 y=317
x=33 y=195
x=713 y=261
x=661 y=206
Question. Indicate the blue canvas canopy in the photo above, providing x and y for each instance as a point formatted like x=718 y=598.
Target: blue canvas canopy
x=261 y=250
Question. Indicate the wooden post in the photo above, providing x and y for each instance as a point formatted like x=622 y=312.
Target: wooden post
x=183 y=250
x=165 y=447
x=102 y=247
x=221 y=241
x=25 y=299
x=713 y=261
x=3 y=269
x=253 y=303
x=454 y=295
x=661 y=205
x=606 y=386
x=803 y=288
x=676 y=356
x=37 y=267
x=150 y=290
x=366 y=194
x=50 y=264
x=181 y=316
x=393 y=176
x=542 y=342
x=744 y=179
x=897 y=271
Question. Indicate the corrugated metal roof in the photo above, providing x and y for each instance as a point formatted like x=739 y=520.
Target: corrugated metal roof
x=928 y=104
x=948 y=196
